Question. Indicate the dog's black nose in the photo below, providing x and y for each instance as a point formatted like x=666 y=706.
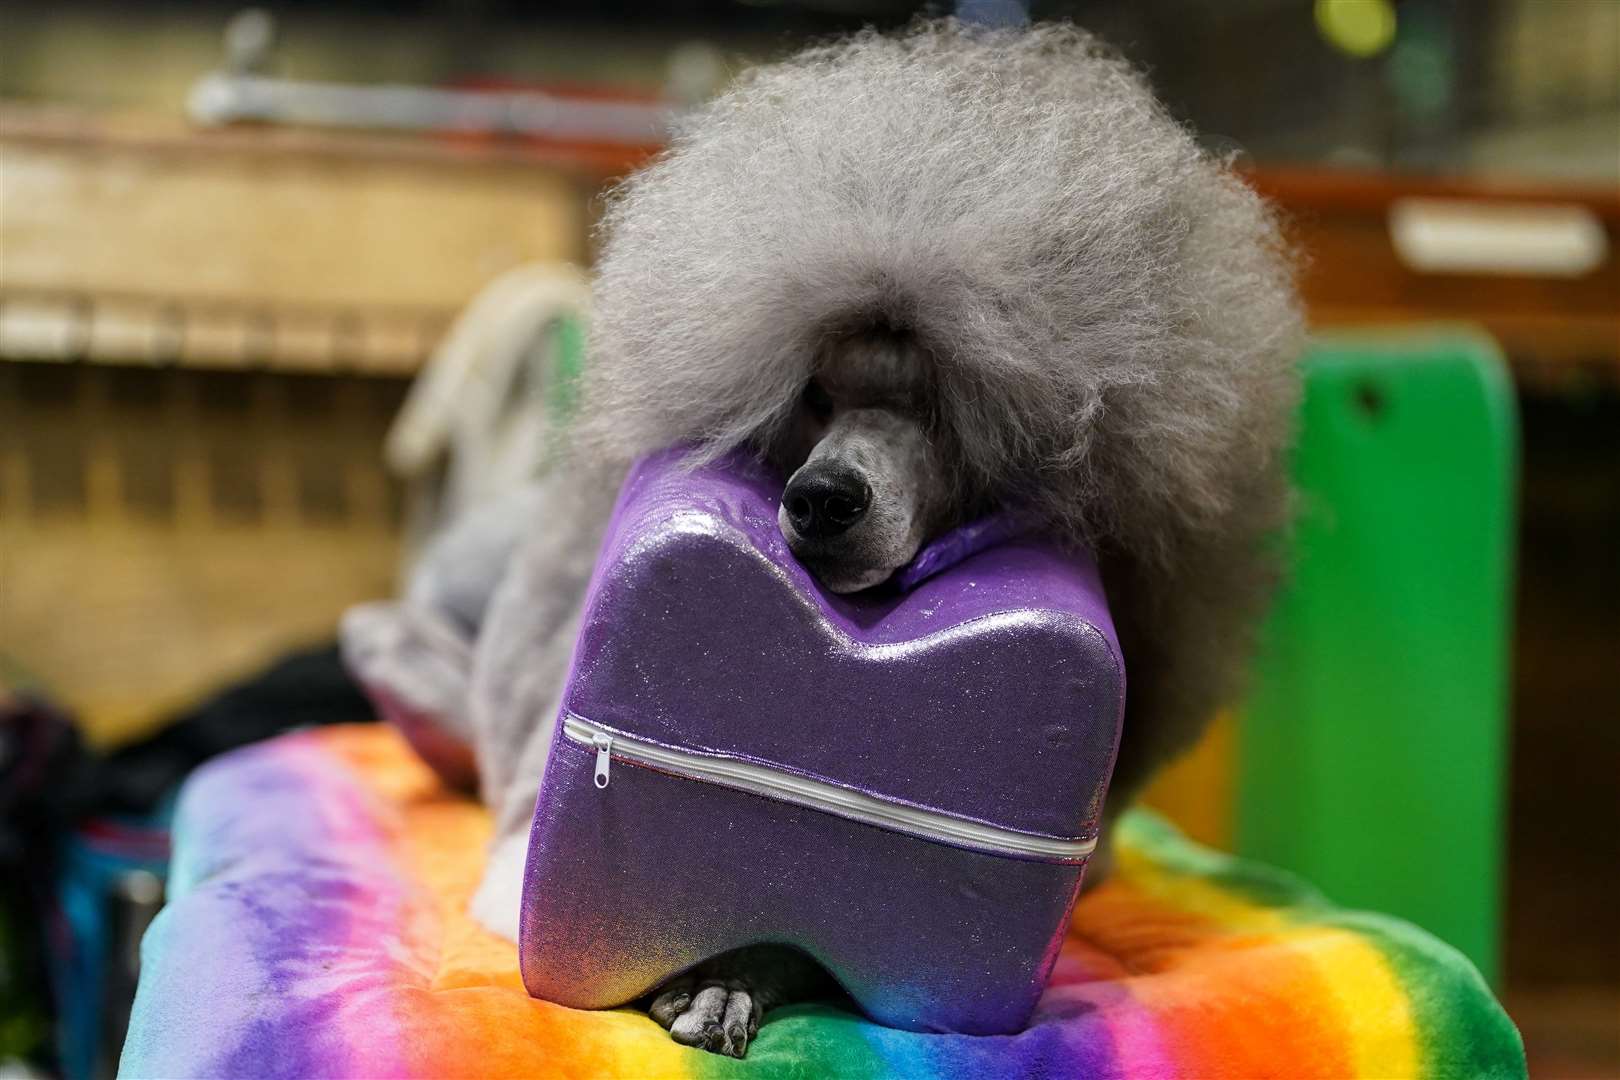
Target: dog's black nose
x=822 y=503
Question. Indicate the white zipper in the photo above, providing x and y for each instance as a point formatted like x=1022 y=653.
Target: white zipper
x=817 y=795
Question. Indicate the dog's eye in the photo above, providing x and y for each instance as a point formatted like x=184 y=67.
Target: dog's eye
x=817 y=400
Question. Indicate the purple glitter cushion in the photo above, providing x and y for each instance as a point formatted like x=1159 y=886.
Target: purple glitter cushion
x=902 y=783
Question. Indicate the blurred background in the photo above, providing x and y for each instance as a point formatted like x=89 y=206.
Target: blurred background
x=230 y=238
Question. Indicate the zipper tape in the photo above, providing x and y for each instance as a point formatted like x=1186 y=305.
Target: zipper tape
x=817 y=795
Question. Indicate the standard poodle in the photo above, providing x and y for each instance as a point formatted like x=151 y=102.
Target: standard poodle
x=928 y=275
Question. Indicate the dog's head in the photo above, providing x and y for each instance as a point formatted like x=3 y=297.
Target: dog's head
x=1098 y=317
x=869 y=473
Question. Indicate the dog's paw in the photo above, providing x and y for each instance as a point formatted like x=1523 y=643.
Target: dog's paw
x=711 y=1013
x=718 y=1005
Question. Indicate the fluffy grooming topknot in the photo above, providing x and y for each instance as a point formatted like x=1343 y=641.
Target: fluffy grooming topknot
x=1109 y=307
x=1109 y=310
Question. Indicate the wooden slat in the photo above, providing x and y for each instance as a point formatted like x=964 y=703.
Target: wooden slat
x=235 y=248
x=162 y=531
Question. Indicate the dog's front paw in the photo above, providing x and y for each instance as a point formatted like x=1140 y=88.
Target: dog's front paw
x=717 y=1014
x=718 y=1005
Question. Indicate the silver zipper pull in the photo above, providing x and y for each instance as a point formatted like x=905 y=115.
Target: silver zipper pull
x=604 y=757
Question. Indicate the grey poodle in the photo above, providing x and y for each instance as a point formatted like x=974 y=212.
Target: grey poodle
x=926 y=274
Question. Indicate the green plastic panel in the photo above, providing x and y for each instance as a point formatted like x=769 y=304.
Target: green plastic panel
x=1372 y=750
x=562 y=394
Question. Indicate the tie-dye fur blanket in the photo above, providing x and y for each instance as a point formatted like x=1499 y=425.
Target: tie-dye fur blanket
x=317 y=928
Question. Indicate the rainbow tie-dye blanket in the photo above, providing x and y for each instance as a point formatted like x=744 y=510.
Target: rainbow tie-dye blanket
x=317 y=928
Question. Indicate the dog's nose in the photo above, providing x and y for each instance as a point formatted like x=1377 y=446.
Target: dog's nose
x=823 y=503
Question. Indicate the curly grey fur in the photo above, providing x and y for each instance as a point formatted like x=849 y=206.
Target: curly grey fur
x=1110 y=310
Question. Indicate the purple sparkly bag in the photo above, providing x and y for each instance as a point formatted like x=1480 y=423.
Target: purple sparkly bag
x=905 y=783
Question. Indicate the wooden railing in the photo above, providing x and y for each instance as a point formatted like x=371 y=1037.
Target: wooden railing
x=140 y=242
x=134 y=241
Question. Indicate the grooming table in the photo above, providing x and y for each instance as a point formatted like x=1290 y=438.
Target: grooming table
x=317 y=927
